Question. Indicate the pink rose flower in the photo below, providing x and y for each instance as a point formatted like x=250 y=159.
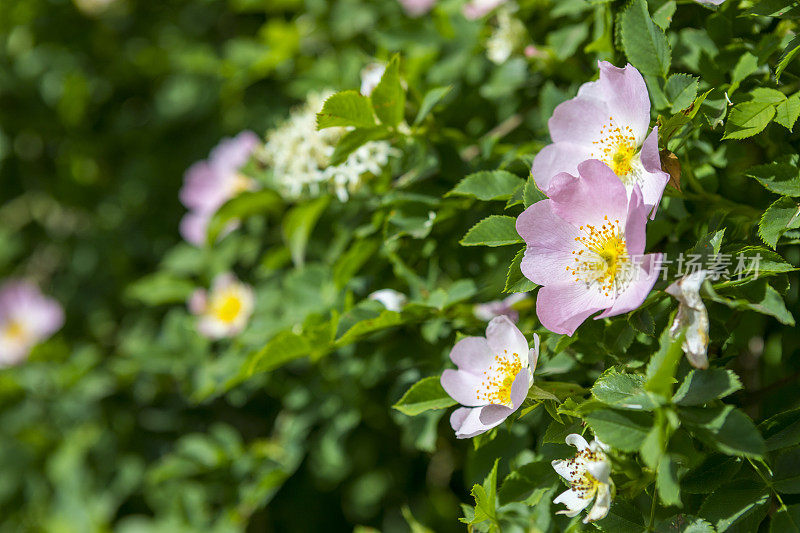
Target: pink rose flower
x=210 y=183
x=608 y=120
x=504 y=307
x=585 y=246
x=27 y=317
x=225 y=310
x=493 y=377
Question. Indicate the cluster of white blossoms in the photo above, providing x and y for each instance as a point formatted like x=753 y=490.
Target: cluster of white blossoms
x=299 y=155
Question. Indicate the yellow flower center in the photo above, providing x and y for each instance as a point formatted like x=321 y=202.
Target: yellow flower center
x=581 y=481
x=603 y=257
x=241 y=183
x=499 y=377
x=226 y=308
x=15 y=331
x=616 y=148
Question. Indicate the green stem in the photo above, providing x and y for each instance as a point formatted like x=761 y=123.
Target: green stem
x=651 y=527
x=767 y=483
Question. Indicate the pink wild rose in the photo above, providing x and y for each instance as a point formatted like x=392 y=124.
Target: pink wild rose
x=585 y=246
x=27 y=317
x=493 y=377
x=608 y=120
x=225 y=310
x=475 y=9
x=210 y=183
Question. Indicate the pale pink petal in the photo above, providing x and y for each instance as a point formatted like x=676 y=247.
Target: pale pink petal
x=551 y=241
x=578 y=121
x=655 y=179
x=193 y=227
x=197 y=302
x=625 y=93
x=415 y=8
x=636 y=223
x=556 y=158
x=562 y=307
x=463 y=387
x=232 y=153
x=504 y=337
x=475 y=9
x=533 y=354
x=633 y=296
x=472 y=354
x=466 y=422
x=597 y=194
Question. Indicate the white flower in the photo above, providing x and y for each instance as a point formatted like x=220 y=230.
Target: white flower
x=371 y=76
x=589 y=477
x=226 y=310
x=508 y=36
x=692 y=316
x=391 y=299
x=300 y=155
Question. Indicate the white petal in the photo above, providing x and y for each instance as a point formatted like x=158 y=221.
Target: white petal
x=578 y=441
x=575 y=504
x=601 y=504
x=564 y=468
x=600 y=470
x=503 y=336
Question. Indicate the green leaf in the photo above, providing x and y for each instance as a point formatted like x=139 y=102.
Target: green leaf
x=240 y=207
x=346 y=108
x=355 y=139
x=714 y=471
x=623 y=517
x=748 y=118
x=624 y=430
x=522 y=482
x=787 y=112
x=388 y=97
x=429 y=101
x=781 y=216
x=781 y=177
x=645 y=44
x=160 y=288
x=352 y=260
x=724 y=428
x=745 y=66
x=486 y=500
x=782 y=430
x=663 y=15
x=625 y=391
x=297 y=226
x=424 y=395
x=495 y=230
x=681 y=90
x=702 y=386
x=284 y=347
x=661 y=368
x=786 y=57
x=515 y=280
x=673 y=125
x=683 y=523
x=669 y=490
x=531 y=193
x=387 y=319
x=776 y=8
x=735 y=504
x=761 y=298
x=487 y=185
x=786 y=520
x=786 y=468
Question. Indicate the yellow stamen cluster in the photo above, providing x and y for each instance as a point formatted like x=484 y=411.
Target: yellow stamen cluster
x=616 y=148
x=603 y=256
x=498 y=378
x=226 y=307
x=14 y=330
x=581 y=481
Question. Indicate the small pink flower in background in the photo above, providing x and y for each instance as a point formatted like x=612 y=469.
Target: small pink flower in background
x=493 y=377
x=27 y=317
x=416 y=8
x=608 y=120
x=490 y=310
x=585 y=246
x=710 y=2
x=225 y=310
x=210 y=183
x=475 y=9
x=391 y=299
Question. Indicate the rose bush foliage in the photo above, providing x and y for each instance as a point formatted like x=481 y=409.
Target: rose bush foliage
x=373 y=193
